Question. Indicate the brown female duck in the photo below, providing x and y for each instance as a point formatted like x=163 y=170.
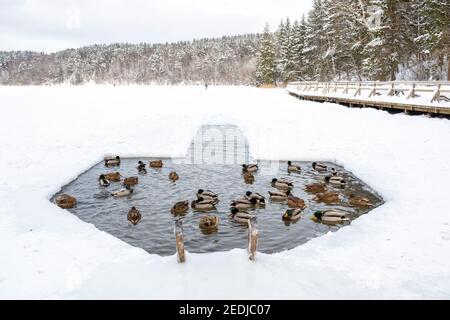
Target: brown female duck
x=181 y=207
x=327 y=197
x=156 y=164
x=316 y=188
x=66 y=201
x=359 y=201
x=134 y=216
x=131 y=181
x=113 y=176
x=174 y=176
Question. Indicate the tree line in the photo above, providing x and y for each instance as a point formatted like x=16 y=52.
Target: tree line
x=359 y=40
x=226 y=60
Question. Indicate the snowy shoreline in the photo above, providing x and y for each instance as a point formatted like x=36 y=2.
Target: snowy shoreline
x=51 y=134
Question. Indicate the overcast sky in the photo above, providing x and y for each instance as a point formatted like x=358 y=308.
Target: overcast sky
x=51 y=25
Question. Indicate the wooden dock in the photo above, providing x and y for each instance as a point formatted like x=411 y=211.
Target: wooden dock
x=351 y=95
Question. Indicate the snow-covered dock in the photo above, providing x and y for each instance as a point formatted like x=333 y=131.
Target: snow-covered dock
x=421 y=97
x=51 y=134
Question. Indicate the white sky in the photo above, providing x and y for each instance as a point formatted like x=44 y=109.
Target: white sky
x=51 y=25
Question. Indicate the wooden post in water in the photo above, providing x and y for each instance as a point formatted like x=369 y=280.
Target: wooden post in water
x=179 y=239
x=252 y=238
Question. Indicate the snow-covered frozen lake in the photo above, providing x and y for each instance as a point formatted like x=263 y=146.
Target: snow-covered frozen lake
x=49 y=135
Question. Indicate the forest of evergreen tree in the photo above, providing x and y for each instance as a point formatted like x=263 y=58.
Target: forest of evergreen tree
x=378 y=40
x=336 y=40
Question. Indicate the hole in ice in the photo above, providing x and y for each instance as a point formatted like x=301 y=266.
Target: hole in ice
x=214 y=162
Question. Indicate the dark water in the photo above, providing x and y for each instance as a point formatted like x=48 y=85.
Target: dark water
x=213 y=163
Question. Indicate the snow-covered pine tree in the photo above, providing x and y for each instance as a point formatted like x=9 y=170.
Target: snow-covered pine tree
x=266 y=65
x=298 y=47
x=433 y=36
x=392 y=41
x=317 y=44
x=286 y=66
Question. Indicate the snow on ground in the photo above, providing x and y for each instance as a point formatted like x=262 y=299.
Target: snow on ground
x=51 y=134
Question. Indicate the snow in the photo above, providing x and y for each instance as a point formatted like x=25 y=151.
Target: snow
x=51 y=134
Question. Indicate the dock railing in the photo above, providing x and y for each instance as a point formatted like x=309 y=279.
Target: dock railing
x=420 y=95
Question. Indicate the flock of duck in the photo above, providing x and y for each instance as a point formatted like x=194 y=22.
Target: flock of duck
x=207 y=200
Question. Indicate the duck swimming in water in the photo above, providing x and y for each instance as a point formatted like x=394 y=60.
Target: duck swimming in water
x=293 y=168
x=359 y=201
x=113 y=176
x=203 y=204
x=336 y=181
x=102 y=181
x=180 y=207
x=296 y=202
x=327 y=197
x=209 y=223
x=250 y=168
x=141 y=167
x=320 y=167
x=249 y=178
x=334 y=172
x=173 y=176
x=242 y=204
x=207 y=194
x=66 y=201
x=131 y=181
x=240 y=216
x=250 y=195
x=109 y=162
x=123 y=192
x=134 y=216
x=281 y=184
x=292 y=214
x=330 y=217
x=316 y=188
x=279 y=195
x=156 y=164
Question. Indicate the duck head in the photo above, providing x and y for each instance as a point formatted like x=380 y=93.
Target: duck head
x=327 y=178
x=200 y=191
x=253 y=201
x=133 y=208
x=248 y=193
x=314 y=164
x=234 y=211
x=289 y=163
x=274 y=180
x=318 y=214
x=117 y=158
